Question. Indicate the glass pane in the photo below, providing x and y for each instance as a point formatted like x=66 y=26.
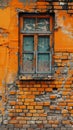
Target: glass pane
x=43 y=43
x=29 y=24
x=28 y=63
x=28 y=43
x=43 y=24
x=43 y=62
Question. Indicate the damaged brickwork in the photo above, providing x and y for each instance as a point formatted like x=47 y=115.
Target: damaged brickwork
x=35 y=104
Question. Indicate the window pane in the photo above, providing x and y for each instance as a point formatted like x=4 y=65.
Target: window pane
x=43 y=24
x=43 y=43
x=28 y=43
x=43 y=62
x=28 y=63
x=29 y=24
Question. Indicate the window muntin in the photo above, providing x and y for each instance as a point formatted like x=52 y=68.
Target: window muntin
x=36 y=43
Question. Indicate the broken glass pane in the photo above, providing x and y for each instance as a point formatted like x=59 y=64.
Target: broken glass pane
x=43 y=43
x=43 y=24
x=29 y=24
x=28 y=43
x=28 y=63
x=43 y=62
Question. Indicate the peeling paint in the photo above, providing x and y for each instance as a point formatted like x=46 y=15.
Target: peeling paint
x=4 y=3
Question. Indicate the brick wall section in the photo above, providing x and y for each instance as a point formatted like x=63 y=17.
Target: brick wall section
x=43 y=105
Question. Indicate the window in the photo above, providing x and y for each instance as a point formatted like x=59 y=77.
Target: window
x=36 y=45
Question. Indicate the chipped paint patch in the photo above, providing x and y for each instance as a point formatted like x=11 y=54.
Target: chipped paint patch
x=4 y=3
x=66 y=27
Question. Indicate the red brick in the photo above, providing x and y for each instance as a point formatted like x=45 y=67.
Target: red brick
x=51 y=122
x=29 y=100
x=13 y=121
x=22 y=122
x=71 y=111
x=36 y=93
x=35 y=114
x=37 y=85
x=52 y=107
x=11 y=114
x=22 y=107
x=30 y=107
x=46 y=103
x=32 y=111
x=41 y=89
x=40 y=111
x=38 y=107
x=43 y=115
x=33 y=103
x=64 y=111
x=13 y=92
x=39 y=103
x=26 y=103
x=29 y=114
x=21 y=93
x=66 y=122
x=62 y=104
x=33 y=89
x=52 y=96
x=18 y=110
x=70 y=104
x=12 y=103
x=30 y=96
x=48 y=89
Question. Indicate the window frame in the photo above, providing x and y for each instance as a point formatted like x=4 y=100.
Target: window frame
x=22 y=34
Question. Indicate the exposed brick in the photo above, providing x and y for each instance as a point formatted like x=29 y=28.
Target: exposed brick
x=29 y=100
x=33 y=103
x=37 y=85
x=44 y=114
x=12 y=103
x=52 y=96
x=13 y=121
x=12 y=92
x=22 y=122
x=30 y=107
x=39 y=103
x=46 y=103
x=22 y=107
x=66 y=122
x=29 y=114
x=33 y=89
x=48 y=89
x=70 y=104
x=18 y=110
x=38 y=107
x=32 y=111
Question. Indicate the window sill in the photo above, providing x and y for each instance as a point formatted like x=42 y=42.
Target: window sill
x=49 y=77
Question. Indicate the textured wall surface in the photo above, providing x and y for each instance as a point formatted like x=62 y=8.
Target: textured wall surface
x=35 y=105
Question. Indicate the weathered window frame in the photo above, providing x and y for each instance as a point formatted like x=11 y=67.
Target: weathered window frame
x=22 y=33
